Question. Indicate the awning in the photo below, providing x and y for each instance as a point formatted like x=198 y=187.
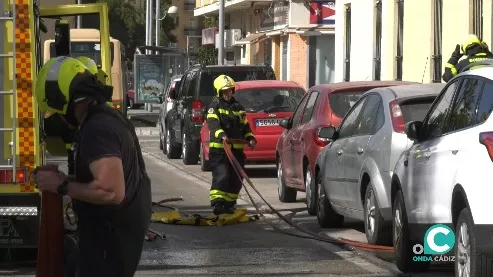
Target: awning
x=250 y=39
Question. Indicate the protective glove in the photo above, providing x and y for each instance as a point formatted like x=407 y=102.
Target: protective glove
x=224 y=138
x=456 y=55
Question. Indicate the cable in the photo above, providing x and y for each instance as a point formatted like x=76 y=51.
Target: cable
x=310 y=235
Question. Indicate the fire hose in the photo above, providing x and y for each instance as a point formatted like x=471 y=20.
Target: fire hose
x=306 y=233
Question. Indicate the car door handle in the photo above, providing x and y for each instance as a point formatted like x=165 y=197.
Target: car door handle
x=339 y=152
x=455 y=151
x=360 y=151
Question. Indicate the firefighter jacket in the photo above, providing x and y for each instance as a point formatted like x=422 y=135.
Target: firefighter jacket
x=229 y=119
x=453 y=67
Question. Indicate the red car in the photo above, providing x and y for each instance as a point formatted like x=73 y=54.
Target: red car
x=266 y=104
x=299 y=144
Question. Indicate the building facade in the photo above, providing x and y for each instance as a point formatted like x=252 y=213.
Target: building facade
x=295 y=37
x=407 y=40
x=188 y=31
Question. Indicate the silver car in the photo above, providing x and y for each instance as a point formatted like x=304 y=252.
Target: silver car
x=353 y=172
x=166 y=105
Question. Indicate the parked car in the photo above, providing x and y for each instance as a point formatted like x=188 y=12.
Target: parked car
x=445 y=177
x=354 y=171
x=196 y=91
x=166 y=105
x=266 y=104
x=299 y=145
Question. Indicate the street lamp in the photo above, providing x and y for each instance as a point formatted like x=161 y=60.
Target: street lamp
x=172 y=11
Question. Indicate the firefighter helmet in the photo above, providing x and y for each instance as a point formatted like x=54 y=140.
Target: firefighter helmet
x=469 y=41
x=223 y=82
x=55 y=83
x=89 y=63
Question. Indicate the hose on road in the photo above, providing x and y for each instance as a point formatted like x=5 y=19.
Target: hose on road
x=306 y=233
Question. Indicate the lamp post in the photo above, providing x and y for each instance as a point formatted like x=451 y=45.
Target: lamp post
x=220 y=52
x=172 y=11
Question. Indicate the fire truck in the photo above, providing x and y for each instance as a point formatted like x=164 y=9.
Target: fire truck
x=23 y=141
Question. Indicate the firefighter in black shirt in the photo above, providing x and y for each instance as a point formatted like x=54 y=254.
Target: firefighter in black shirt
x=474 y=49
x=111 y=191
x=226 y=119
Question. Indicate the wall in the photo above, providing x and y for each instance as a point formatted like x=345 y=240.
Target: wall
x=276 y=56
x=362 y=40
x=297 y=59
x=389 y=44
x=418 y=40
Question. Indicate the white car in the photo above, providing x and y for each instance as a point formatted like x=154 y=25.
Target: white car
x=444 y=178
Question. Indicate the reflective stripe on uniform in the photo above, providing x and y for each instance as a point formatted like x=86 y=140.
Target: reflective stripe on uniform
x=218 y=133
x=68 y=146
x=220 y=145
x=211 y=115
x=237 y=113
x=244 y=120
x=217 y=194
x=452 y=68
x=248 y=135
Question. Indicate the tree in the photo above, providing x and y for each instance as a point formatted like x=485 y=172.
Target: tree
x=207 y=54
x=128 y=24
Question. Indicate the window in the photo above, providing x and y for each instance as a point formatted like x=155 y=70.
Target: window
x=437 y=115
x=369 y=115
x=485 y=103
x=377 y=61
x=416 y=109
x=347 y=46
x=87 y=49
x=400 y=39
x=192 y=87
x=437 y=41
x=463 y=114
x=270 y=100
x=477 y=18
x=348 y=126
x=310 y=106
x=297 y=114
x=185 y=85
x=341 y=102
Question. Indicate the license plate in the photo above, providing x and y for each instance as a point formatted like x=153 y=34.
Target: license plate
x=267 y=122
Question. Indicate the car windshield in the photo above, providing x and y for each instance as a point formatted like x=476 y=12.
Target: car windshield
x=341 y=102
x=415 y=110
x=86 y=49
x=207 y=79
x=270 y=100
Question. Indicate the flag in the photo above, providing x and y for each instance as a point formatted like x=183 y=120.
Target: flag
x=322 y=13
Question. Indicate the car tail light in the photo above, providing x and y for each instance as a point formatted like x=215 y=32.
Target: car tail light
x=197 y=115
x=319 y=141
x=7 y=176
x=396 y=116
x=486 y=139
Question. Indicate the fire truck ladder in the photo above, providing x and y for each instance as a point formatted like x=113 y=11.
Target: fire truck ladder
x=12 y=162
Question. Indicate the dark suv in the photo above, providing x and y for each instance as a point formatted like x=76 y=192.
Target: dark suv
x=194 y=93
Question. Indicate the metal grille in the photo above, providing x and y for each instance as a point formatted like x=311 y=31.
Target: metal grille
x=437 y=42
x=377 y=61
x=347 y=51
x=477 y=18
x=400 y=39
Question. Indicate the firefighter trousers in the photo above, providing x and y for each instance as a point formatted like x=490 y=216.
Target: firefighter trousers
x=226 y=184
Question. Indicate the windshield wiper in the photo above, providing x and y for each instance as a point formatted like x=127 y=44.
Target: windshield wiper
x=272 y=109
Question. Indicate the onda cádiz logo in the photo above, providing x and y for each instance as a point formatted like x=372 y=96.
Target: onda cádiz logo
x=438 y=241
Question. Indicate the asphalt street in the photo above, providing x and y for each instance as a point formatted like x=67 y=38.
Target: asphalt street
x=247 y=249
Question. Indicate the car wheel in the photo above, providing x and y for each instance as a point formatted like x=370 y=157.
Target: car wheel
x=466 y=256
x=286 y=194
x=161 y=138
x=326 y=216
x=172 y=151
x=311 y=192
x=376 y=229
x=403 y=245
x=204 y=164
x=188 y=151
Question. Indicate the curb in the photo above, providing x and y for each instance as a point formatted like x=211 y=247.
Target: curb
x=147 y=131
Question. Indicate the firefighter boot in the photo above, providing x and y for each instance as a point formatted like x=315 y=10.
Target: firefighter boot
x=229 y=207
x=218 y=208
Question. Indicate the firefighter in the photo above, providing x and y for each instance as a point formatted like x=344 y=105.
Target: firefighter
x=227 y=120
x=111 y=190
x=95 y=70
x=473 y=48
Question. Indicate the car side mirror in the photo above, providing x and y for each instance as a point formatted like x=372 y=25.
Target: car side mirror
x=285 y=123
x=414 y=130
x=328 y=133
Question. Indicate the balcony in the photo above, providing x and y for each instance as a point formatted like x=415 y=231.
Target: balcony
x=192 y=32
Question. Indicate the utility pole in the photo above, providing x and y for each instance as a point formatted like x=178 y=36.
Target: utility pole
x=79 y=18
x=147 y=23
x=220 y=54
x=158 y=23
x=151 y=8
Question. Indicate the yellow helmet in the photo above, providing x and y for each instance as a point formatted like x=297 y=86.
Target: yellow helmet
x=470 y=40
x=223 y=82
x=89 y=63
x=54 y=82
